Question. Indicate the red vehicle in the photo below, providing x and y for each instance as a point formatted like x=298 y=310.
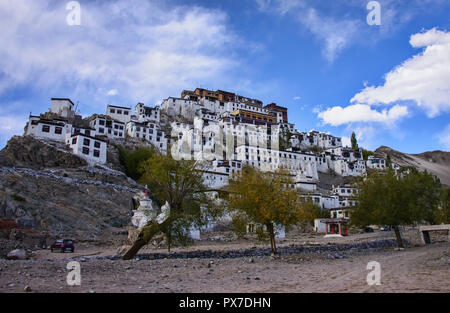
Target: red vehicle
x=63 y=245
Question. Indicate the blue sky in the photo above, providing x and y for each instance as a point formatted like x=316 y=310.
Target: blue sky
x=335 y=73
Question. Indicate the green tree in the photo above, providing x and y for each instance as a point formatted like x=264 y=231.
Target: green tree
x=354 y=141
x=366 y=153
x=443 y=213
x=311 y=211
x=263 y=198
x=385 y=198
x=179 y=183
x=132 y=160
x=285 y=139
x=388 y=161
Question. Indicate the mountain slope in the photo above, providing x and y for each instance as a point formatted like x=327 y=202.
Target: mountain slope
x=435 y=162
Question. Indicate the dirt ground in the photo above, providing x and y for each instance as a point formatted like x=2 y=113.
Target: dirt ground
x=416 y=269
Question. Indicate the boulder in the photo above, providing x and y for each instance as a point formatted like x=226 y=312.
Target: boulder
x=17 y=254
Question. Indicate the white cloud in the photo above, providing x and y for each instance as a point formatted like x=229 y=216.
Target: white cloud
x=146 y=49
x=366 y=136
x=341 y=24
x=338 y=115
x=423 y=79
x=346 y=142
x=444 y=137
x=297 y=98
x=112 y=92
x=336 y=34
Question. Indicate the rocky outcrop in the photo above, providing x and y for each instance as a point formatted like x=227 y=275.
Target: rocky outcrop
x=435 y=162
x=64 y=203
x=30 y=152
x=128 y=144
x=46 y=192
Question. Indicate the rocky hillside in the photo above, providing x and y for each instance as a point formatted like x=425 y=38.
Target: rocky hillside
x=46 y=190
x=435 y=162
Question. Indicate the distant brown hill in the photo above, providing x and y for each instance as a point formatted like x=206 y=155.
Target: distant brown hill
x=435 y=162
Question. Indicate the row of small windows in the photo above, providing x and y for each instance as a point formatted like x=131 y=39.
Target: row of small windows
x=102 y=131
x=102 y=123
x=114 y=111
x=46 y=129
x=138 y=128
x=87 y=142
x=280 y=155
x=96 y=153
x=158 y=138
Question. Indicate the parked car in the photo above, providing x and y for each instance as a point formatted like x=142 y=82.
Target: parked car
x=63 y=245
x=368 y=229
x=385 y=228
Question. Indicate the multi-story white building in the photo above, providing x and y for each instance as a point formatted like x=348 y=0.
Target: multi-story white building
x=302 y=140
x=148 y=131
x=93 y=149
x=343 y=167
x=53 y=129
x=346 y=161
x=118 y=113
x=376 y=163
x=270 y=160
x=228 y=167
x=347 y=195
x=105 y=125
x=215 y=180
x=146 y=114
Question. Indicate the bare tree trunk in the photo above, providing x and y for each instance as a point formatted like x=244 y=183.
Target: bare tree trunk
x=137 y=245
x=398 y=236
x=146 y=234
x=271 y=231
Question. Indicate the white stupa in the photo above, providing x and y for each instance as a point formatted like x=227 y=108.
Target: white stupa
x=147 y=211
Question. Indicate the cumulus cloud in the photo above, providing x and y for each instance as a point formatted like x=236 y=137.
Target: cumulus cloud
x=146 y=49
x=338 y=115
x=423 y=79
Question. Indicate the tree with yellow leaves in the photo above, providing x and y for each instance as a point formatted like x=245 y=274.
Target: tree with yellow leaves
x=265 y=198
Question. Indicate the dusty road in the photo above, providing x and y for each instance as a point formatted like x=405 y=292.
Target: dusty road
x=419 y=269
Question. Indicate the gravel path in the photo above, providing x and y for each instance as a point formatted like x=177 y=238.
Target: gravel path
x=419 y=269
